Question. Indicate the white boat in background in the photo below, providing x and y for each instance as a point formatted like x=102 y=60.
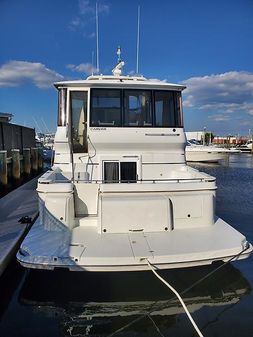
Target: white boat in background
x=196 y=152
x=247 y=147
x=120 y=194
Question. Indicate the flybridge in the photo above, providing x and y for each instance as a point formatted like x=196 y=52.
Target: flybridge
x=120 y=82
x=118 y=79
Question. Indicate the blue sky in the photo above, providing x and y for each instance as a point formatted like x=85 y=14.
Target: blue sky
x=207 y=45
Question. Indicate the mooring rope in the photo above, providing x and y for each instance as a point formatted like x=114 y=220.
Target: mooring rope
x=178 y=296
x=234 y=257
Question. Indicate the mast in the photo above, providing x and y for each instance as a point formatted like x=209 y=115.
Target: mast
x=138 y=41
x=97 y=37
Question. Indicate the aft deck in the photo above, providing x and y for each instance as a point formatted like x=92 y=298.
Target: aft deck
x=85 y=249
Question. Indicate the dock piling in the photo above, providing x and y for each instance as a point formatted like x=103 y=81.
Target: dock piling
x=3 y=168
x=40 y=159
x=27 y=161
x=15 y=155
x=34 y=158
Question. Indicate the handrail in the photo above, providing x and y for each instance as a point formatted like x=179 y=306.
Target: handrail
x=154 y=181
x=51 y=178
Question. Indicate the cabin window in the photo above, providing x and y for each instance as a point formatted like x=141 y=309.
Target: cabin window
x=137 y=108
x=78 y=101
x=106 y=108
x=62 y=111
x=128 y=172
x=167 y=109
x=115 y=172
x=111 y=172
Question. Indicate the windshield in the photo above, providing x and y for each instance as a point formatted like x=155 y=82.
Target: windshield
x=135 y=108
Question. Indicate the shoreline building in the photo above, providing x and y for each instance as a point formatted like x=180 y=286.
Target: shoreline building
x=5 y=117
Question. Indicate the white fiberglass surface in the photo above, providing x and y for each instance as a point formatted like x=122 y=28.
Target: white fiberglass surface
x=192 y=247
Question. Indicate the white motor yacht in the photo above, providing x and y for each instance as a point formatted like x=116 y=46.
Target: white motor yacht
x=120 y=194
x=196 y=152
x=246 y=147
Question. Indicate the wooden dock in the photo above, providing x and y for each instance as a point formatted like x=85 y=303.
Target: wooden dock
x=31 y=160
x=19 y=203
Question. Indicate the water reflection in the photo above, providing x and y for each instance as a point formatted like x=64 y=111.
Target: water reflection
x=132 y=304
x=9 y=281
x=238 y=160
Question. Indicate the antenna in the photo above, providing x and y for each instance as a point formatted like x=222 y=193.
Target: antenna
x=117 y=71
x=119 y=54
x=92 y=63
x=138 y=41
x=37 y=125
x=97 y=37
x=42 y=119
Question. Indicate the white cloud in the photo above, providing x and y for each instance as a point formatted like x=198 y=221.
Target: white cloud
x=157 y=80
x=87 y=11
x=87 y=7
x=86 y=68
x=219 y=118
x=89 y=35
x=226 y=93
x=103 y=8
x=16 y=73
x=75 y=23
x=92 y=35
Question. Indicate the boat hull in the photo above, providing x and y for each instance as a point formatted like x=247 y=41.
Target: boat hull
x=205 y=156
x=84 y=249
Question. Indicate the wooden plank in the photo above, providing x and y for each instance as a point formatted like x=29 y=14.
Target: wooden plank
x=15 y=205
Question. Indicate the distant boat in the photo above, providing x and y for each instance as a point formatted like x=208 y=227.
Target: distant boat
x=247 y=147
x=195 y=152
x=47 y=152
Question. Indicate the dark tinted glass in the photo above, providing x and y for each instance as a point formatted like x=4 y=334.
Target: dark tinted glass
x=78 y=101
x=105 y=108
x=128 y=172
x=111 y=172
x=167 y=109
x=137 y=108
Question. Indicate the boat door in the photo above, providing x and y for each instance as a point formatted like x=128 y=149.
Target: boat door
x=78 y=111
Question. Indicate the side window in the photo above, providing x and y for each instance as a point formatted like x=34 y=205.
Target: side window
x=137 y=108
x=78 y=102
x=167 y=109
x=115 y=172
x=62 y=111
x=178 y=108
x=105 y=108
x=128 y=173
x=111 y=172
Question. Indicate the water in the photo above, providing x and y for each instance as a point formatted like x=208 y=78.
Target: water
x=13 y=184
x=41 y=303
